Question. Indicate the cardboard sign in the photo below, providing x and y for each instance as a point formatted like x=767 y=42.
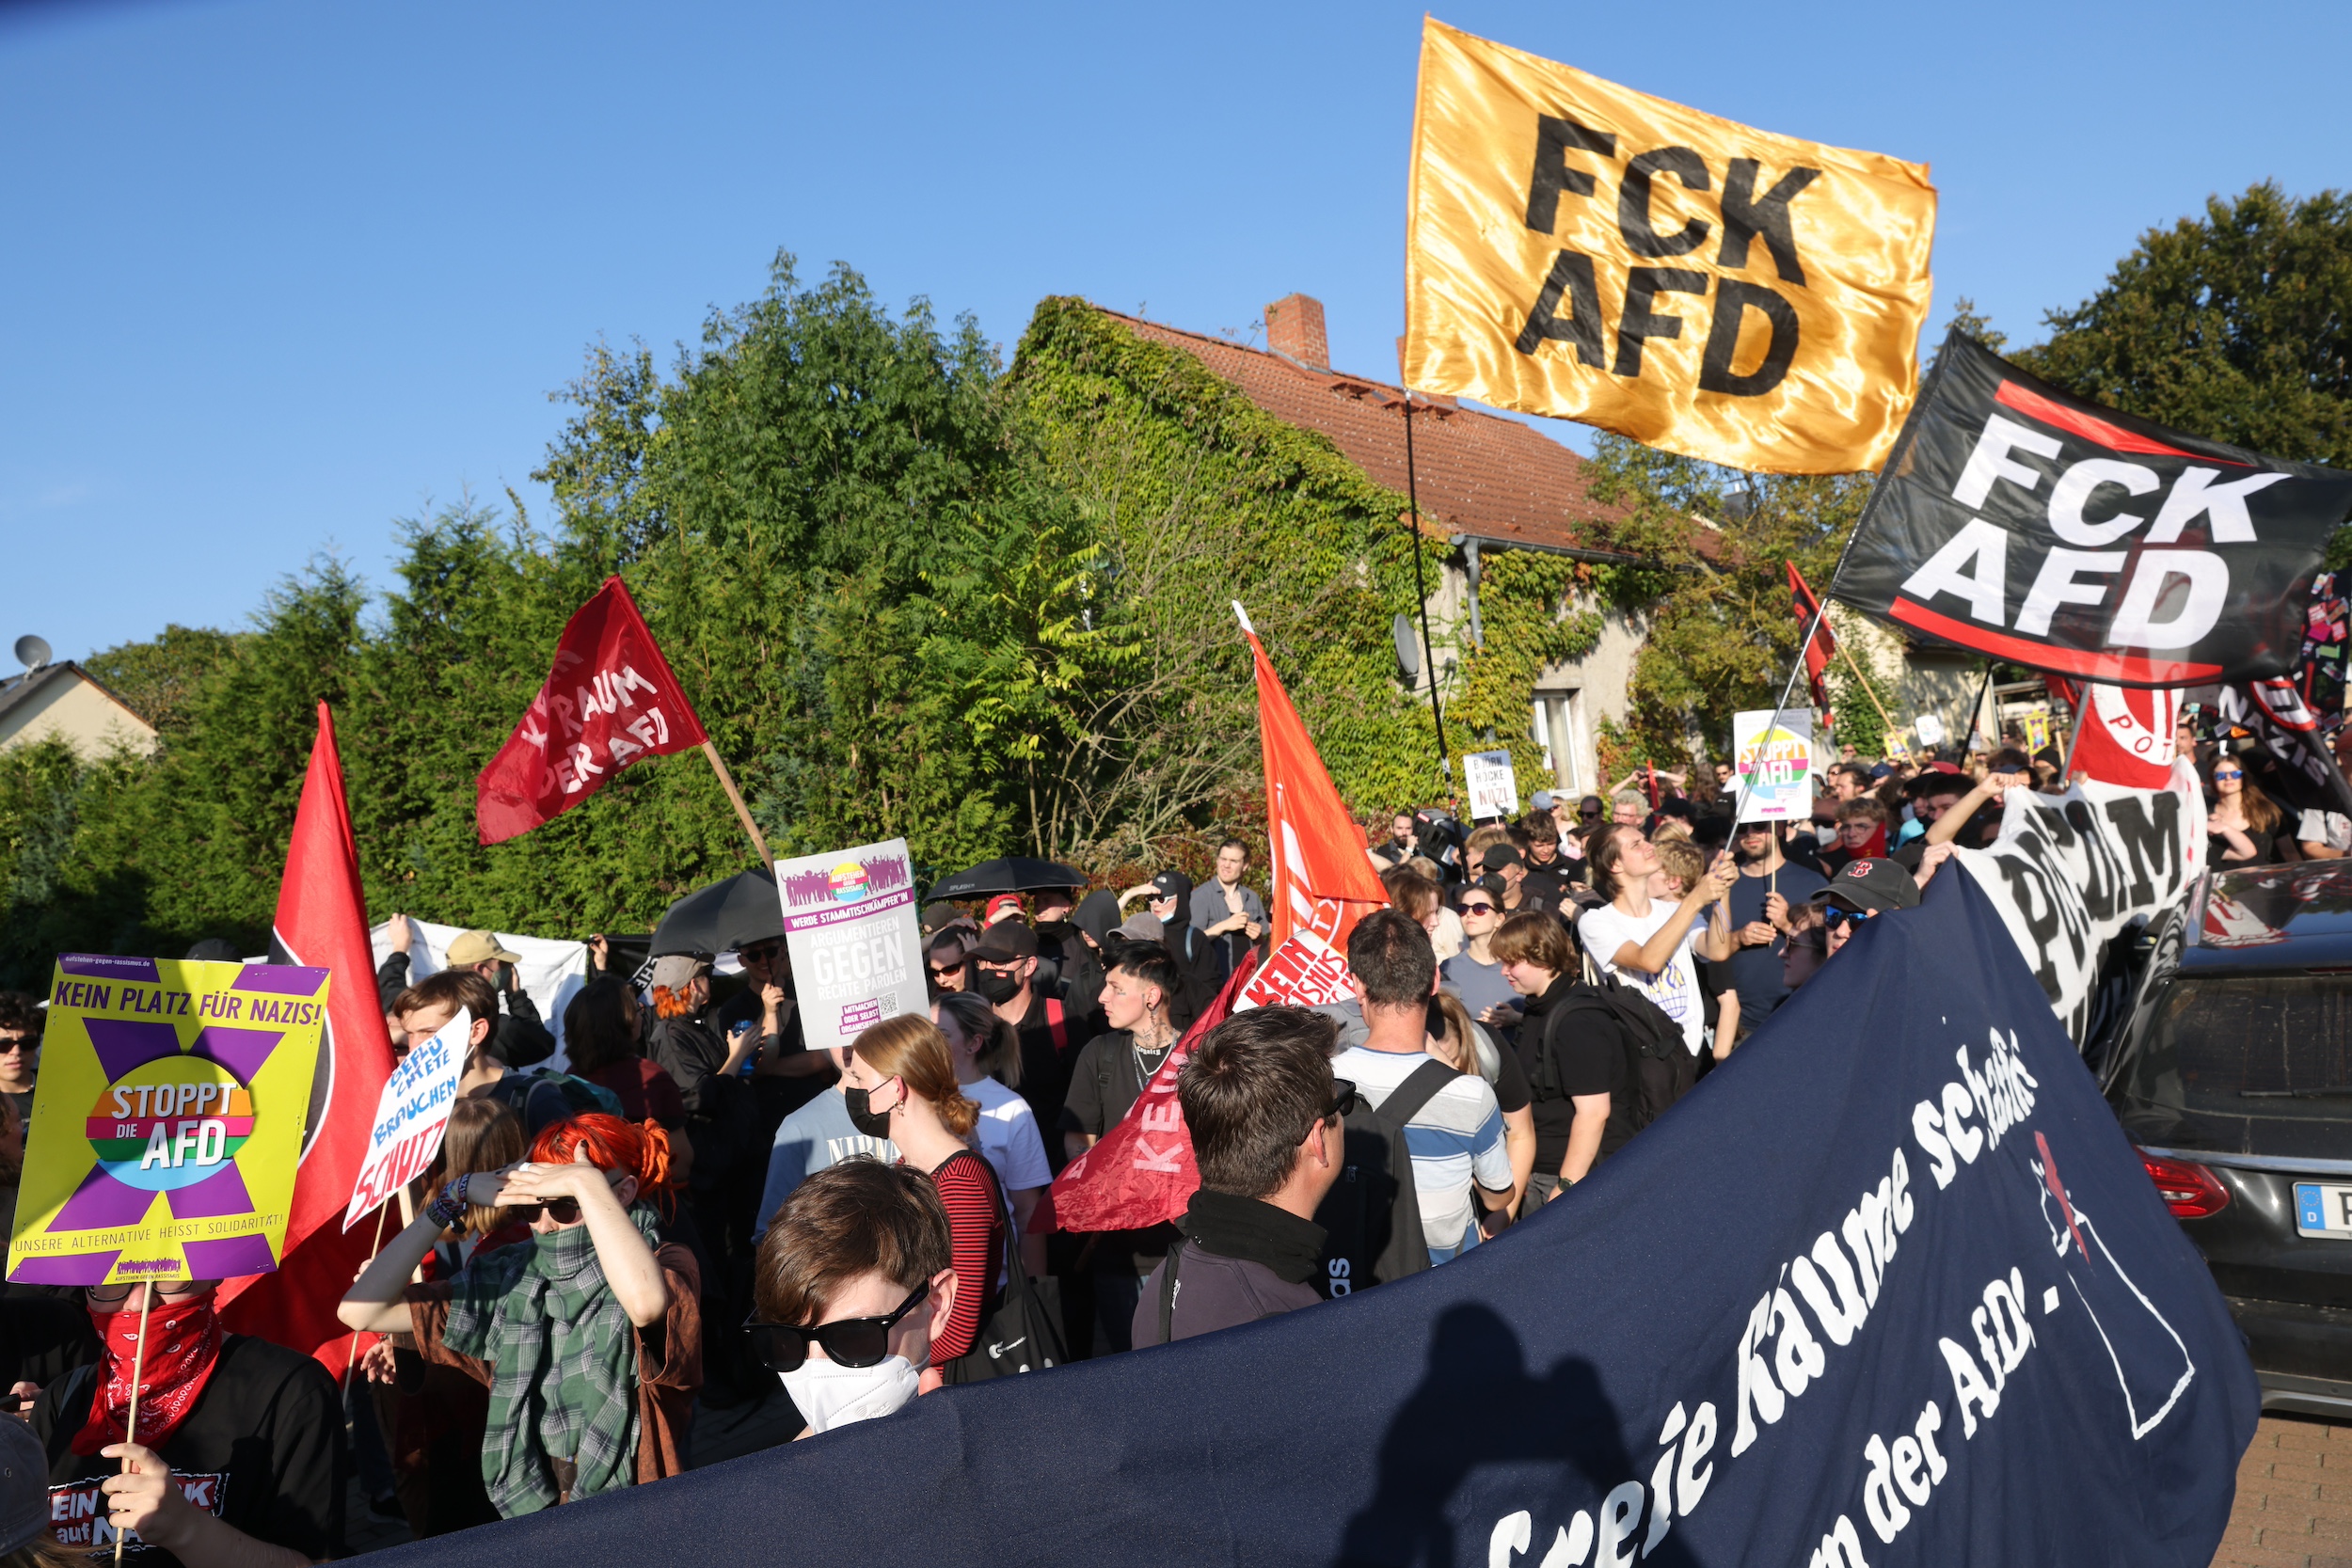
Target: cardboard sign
x=1493 y=790
x=411 y=1117
x=1929 y=729
x=849 y=930
x=1772 y=755
x=168 y=1121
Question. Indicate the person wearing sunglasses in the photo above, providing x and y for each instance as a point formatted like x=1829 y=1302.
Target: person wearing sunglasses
x=589 y=1338
x=1267 y=1119
x=2242 y=822
x=234 y=1460
x=852 y=1279
x=1862 y=891
x=1475 y=975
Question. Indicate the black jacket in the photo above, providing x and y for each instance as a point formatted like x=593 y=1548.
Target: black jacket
x=1241 y=1260
x=521 y=1039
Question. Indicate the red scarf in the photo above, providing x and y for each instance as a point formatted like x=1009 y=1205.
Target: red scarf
x=183 y=1347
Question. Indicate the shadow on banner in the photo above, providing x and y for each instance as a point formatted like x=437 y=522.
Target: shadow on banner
x=1889 y=1288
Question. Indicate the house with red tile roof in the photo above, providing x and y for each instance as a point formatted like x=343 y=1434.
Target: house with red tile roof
x=1488 y=483
x=1483 y=483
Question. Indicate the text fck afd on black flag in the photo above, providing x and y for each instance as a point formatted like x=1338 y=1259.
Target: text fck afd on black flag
x=2024 y=523
x=1948 y=1322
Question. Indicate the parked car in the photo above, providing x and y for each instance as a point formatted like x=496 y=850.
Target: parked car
x=2232 y=1074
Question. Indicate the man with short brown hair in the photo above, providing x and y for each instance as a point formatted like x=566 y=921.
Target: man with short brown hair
x=1265 y=1115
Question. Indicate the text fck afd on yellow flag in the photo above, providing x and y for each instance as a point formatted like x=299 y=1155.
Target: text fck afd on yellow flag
x=1581 y=251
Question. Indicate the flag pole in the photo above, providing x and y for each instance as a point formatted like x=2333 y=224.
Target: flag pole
x=131 y=1420
x=373 y=1247
x=1412 y=496
x=743 y=812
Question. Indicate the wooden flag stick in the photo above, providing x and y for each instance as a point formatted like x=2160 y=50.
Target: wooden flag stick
x=1864 y=681
x=743 y=812
x=377 y=1245
x=131 y=1420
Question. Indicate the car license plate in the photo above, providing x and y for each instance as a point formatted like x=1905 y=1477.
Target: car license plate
x=2323 y=1208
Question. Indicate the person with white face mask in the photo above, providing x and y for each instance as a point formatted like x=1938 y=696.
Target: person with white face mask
x=853 y=1274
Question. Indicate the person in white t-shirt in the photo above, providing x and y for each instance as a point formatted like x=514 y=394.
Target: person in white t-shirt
x=2325 y=835
x=1649 y=942
x=983 y=1044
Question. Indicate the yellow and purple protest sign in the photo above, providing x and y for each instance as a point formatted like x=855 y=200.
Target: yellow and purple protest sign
x=167 y=1120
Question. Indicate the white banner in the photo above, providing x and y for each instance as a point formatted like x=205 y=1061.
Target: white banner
x=1494 y=791
x=1772 y=752
x=550 y=974
x=849 y=928
x=2072 y=871
x=411 y=1117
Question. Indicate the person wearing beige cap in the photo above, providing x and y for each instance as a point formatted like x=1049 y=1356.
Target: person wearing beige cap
x=521 y=1037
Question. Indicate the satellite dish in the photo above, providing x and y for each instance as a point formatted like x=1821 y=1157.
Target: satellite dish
x=33 y=652
x=1401 y=629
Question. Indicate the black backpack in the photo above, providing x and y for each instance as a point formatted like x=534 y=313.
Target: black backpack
x=1654 y=1053
x=1371 y=1215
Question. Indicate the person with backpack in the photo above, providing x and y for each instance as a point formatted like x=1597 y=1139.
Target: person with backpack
x=1651 y=945
x=1264 y=1115
x=1449 y=1121
x=1576 y=1052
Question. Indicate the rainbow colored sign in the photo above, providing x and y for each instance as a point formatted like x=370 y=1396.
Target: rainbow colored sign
x=168 y=1120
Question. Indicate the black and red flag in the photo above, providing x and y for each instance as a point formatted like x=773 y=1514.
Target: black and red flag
x=322 y=920
x=2019 y=521
x=1822 y=646
x=609 y=700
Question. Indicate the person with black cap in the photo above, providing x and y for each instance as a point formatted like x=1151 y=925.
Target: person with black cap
x=1003 y=968
x=1199 y=967
x=1504 y=863
x=1092 y=924
x=1864 y=890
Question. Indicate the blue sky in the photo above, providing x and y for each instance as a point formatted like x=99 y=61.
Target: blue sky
x=277 y=275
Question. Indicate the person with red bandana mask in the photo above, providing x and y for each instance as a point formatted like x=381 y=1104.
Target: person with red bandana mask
x=234 y=1464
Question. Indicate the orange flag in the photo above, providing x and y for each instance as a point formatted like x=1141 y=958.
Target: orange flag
x=1323 y=877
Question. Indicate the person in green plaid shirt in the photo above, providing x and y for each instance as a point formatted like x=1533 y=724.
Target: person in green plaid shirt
x=589 y=1337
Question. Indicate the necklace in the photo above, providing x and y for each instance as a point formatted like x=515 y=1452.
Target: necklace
x=1159 y=1056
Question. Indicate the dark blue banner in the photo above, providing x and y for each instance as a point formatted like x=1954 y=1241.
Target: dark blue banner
x=1889 y=1288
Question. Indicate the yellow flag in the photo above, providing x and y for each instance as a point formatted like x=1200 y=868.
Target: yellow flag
x=1579 y=249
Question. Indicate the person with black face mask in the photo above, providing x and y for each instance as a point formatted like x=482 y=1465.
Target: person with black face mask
x=1003 y=968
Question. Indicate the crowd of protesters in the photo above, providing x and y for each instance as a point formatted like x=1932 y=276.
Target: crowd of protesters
x=694 y=1213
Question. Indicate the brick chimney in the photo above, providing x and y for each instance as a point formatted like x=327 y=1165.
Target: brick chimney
x=1293 y=325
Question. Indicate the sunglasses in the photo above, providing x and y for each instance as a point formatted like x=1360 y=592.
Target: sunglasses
x=166 y=1290
x=847 y=1342
x=2232 y=773
x=1836 y=918
x=563 y=1210
x=1477 y=907
x=1343 y=1099
x=766 y=952
x=939 y=972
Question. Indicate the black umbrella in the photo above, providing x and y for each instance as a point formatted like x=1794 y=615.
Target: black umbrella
x=1010 y=874
x=723 y=915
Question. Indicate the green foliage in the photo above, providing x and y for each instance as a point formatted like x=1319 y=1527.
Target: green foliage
x=159 y=679
x=1526 y=610
x=1723 y=629
x=1198 y=498
x=2237 y=327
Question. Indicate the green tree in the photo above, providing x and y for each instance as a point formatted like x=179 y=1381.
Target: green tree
x=2236 y=327
x=159 y=677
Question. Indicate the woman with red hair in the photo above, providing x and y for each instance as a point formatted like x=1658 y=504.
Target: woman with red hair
x=589 y=1339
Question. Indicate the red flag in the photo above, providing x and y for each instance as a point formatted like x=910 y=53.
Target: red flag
x=2125 y=737
x=1322 y=875
x=1822 y=647
x=609 y=700
x=322 y=920
x=1141 y=1172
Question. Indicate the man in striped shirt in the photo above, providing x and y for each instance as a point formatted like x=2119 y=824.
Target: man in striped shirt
x=1460 y=1168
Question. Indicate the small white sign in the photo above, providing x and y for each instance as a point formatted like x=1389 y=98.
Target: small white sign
x=1929 y=729
x=1493 y=790
x=411 y=1117
x=850 y=931
x=1772 y=754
